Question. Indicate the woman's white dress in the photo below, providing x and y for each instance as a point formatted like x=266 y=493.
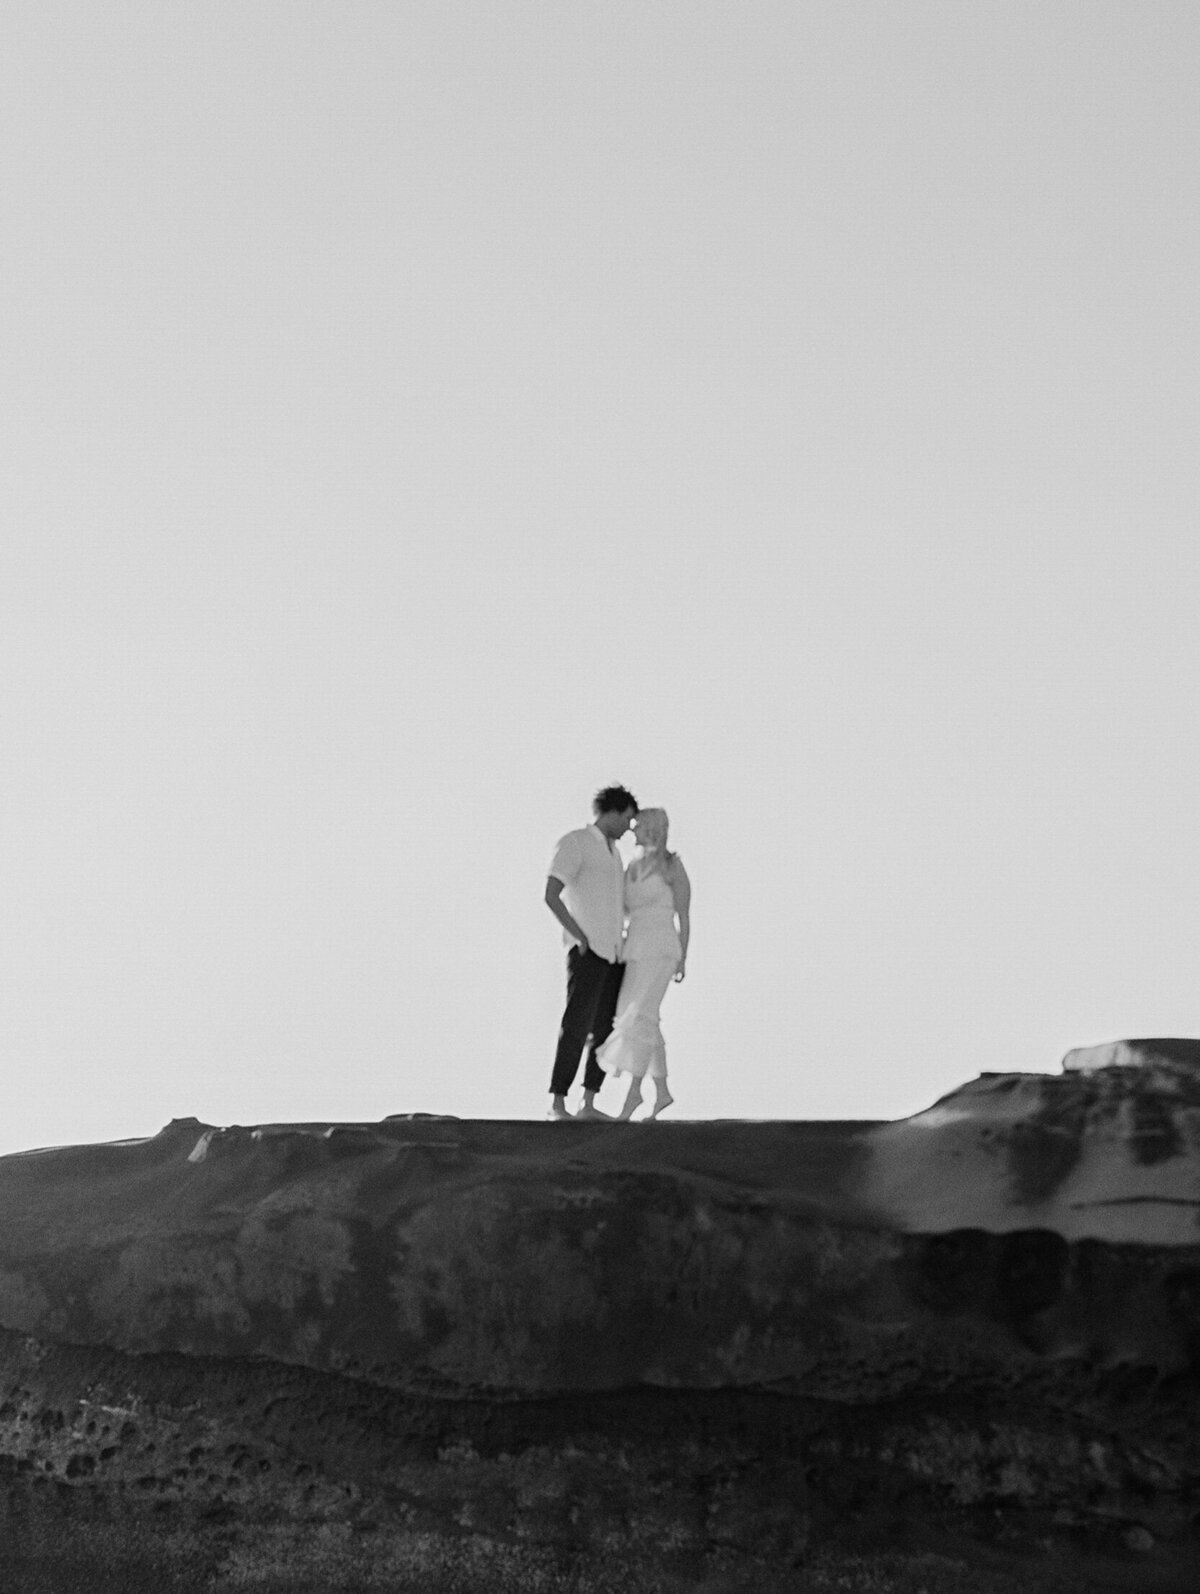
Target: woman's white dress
x=652 y=953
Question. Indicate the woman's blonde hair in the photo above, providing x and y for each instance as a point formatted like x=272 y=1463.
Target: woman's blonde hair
x=652 y=830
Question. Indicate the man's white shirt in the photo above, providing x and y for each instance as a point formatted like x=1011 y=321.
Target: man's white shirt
x=593 y=880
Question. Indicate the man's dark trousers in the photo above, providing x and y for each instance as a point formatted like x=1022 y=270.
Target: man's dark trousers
x=593 y=985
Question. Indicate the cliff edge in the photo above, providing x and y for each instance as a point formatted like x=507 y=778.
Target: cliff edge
x=741 y=1344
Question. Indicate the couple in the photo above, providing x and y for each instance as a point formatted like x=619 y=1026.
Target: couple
x=627 y=937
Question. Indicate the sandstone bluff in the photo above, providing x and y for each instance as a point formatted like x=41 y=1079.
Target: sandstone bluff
x=957 y=1352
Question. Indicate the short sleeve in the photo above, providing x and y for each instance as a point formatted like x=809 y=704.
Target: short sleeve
x=567 y=860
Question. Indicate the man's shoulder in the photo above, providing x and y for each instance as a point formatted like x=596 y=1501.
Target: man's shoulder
x=571 y=849
x=580 y=837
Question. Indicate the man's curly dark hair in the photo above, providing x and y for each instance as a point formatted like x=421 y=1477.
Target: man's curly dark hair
x=613 y=800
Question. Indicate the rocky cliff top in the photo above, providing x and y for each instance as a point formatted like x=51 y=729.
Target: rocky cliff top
x=465 y=1255
x=1108 y=1150
x=438 y=1353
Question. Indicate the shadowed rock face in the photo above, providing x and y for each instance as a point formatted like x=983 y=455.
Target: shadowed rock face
x=956 y=1310
x=447 y=1257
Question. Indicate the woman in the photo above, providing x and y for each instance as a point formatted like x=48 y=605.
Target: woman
x=657 y=893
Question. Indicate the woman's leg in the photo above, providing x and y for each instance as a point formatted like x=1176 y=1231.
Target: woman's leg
x=636 y=1046
x=632 y=1100
x=662 y=1097
x=657 y=987
x=618 y=1049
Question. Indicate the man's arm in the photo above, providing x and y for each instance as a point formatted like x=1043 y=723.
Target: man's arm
x=554 y=901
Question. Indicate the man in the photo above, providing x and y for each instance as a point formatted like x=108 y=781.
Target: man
x=586 y=894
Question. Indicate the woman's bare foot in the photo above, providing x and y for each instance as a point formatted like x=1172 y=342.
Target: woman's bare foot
x=665 y=1099
x=632 y=1101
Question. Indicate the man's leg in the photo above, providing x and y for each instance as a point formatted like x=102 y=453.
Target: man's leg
x=602 y=1023
x=586 y=974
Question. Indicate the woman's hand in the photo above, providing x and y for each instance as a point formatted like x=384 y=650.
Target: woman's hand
x=680 y=972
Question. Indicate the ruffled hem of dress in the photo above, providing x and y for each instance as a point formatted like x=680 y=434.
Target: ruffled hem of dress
x=626 y=1052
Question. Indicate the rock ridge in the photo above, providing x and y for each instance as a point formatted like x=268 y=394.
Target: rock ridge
x=451 y=1353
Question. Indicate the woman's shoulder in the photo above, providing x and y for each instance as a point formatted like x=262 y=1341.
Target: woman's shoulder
x=677 y=875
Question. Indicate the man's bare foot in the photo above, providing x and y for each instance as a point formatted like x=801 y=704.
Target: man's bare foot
x=558 y=1115
x=588 y=1111
x=663 y=1102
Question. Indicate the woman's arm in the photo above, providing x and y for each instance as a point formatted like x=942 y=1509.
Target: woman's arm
x=681 y=888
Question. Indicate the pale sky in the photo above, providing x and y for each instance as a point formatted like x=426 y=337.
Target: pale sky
x=416 y=416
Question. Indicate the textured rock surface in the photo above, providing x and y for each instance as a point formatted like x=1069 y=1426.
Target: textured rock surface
x=432 y=1353
x=1108 y=1150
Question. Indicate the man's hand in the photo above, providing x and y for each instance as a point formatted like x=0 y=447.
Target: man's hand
x=554 y=901
x=680 y=972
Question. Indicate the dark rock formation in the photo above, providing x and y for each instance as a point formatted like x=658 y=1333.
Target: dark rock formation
x=432 y=1353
